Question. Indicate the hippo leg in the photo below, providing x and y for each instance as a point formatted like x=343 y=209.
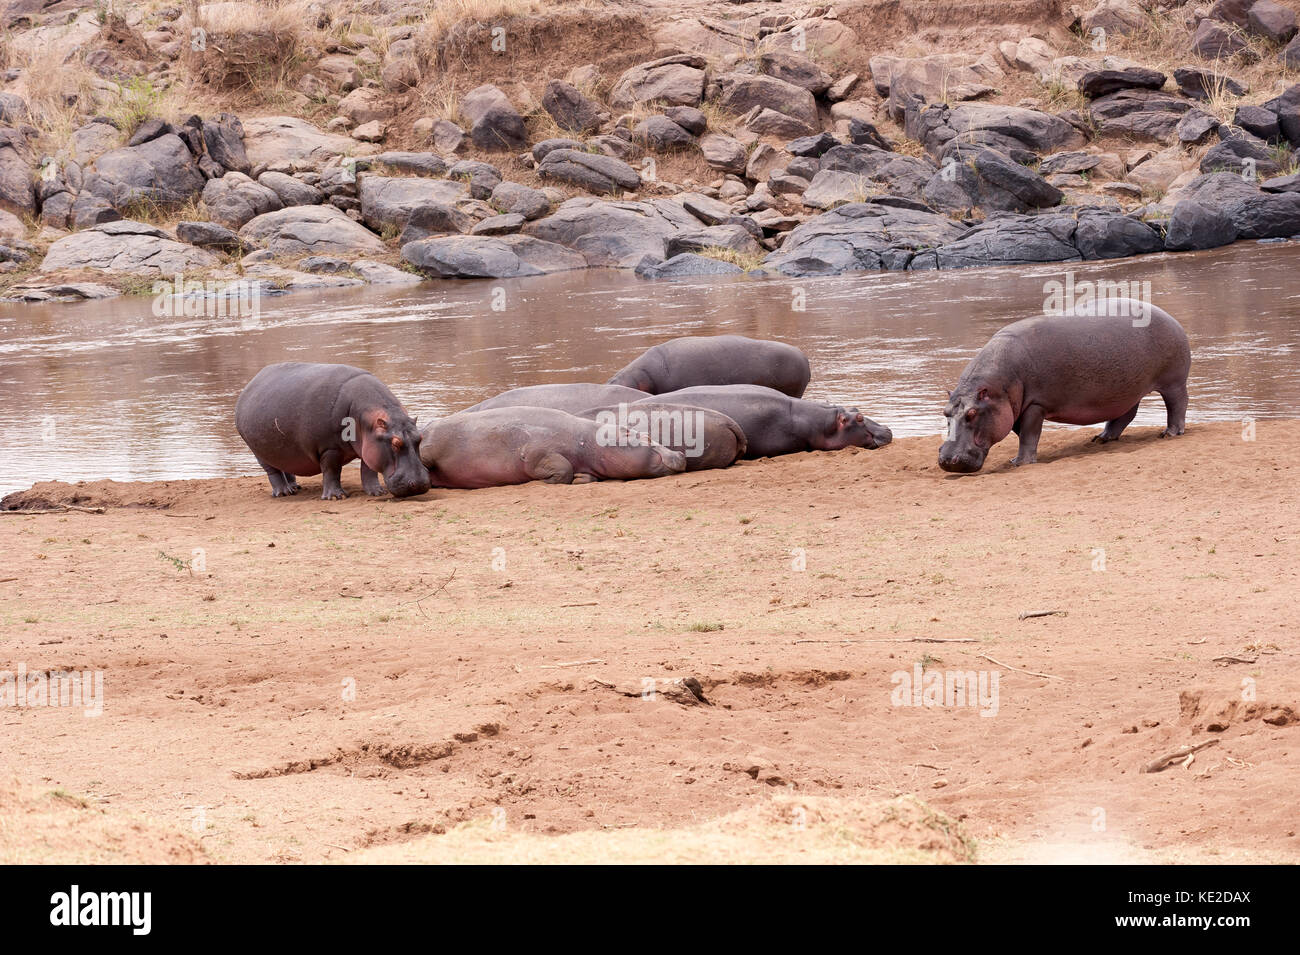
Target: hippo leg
x=370 y=481
x=331 y=477
x=549 y=466
x=282 y=484
x=1030 y=428
x=1115 y=428
x=1176 y=409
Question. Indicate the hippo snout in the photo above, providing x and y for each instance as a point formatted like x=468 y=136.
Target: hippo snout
x=668 y=461
x=408 y=482
x=959 y=461
x=880 y=436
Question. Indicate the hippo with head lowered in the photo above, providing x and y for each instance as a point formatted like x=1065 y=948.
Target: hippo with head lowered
x=1080 y=367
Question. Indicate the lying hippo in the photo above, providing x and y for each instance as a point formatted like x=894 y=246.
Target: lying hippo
x=514 y=445
x=1072 y=368
x=708 y=439
x=302 y=418
x=775 y=423
x=571 y=398
x=717 y=360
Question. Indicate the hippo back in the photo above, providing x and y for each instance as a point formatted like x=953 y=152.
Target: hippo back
x=573 y=398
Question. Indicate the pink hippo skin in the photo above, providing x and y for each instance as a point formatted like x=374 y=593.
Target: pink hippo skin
x=502 y=446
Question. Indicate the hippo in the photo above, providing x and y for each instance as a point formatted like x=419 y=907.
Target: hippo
x=1076 y=368
x=572 y=398
x=473 y=449
x=709 y=439
x=303 y=418
x=774 y=423
x=717 y=360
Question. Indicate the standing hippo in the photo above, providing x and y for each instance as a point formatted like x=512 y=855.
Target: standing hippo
x=717 y=360
x=302 y=418
x=1074 y=368
x=774 y=423
x=709 y=439
x=572 y=398
x=501 y=446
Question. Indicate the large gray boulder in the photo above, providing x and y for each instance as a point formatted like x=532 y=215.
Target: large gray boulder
x=311 y=230
x=294 y=142
x=686 y=265
x=415 y=164
x=614 y=234
x=1200 y=83
x=590 y=171
x=724 y=153
x=670 y=81
x=162 y=170
x=740 y=92
x=1014 y=130
x=861 y=236
x=234 y=199
x=17 y=192
x=1141 y=114
x=988 y=179
x=515 y=198
x=126 y=247
x=571 y=109
x=494 y=122
x=1012 y=240
x=292 y=191
x=893 y=172
x=223 y=136
x=508 y=256
x=1097 y=83
x=390 y=202
x=1196 y=225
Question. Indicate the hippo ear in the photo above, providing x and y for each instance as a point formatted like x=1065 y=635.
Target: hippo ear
x=983 y=395
x=860 y=418
x=381 y=422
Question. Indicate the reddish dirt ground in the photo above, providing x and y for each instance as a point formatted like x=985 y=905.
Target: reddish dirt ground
x=350 y=680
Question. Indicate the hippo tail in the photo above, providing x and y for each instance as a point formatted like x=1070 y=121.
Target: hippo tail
x=742 y=442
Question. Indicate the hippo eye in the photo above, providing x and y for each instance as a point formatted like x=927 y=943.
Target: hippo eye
x=970 y=414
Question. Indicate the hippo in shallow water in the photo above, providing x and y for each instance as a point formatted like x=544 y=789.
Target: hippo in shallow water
x=717 y=360
x=501 y=446
x=709 y=439
x=1074 y=368
x=572 y=398
x=303 y=418
x=774 y=423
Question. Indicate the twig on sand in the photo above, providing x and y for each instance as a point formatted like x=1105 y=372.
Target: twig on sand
x=1181 y=754
x=1018 y=669
x=60 y=509
x=585 y=603
x=5 y=580
x=1029 y=614
x=333 y=846
x=571 y=663
x=899 y=640
x=437 y=590
x=1230 y=659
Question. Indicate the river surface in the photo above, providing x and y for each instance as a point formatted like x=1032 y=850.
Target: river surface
x=109 y=390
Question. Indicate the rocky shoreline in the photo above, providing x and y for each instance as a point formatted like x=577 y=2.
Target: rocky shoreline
x=792 y=167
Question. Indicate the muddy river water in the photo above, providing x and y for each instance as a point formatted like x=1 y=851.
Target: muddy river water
x=111 y=390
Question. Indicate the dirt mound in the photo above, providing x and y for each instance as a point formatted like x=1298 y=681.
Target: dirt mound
x=783 y=829
x=56 y=828
x=1219 y=713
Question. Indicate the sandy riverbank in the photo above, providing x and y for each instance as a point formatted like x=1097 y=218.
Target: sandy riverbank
x=518 y=686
